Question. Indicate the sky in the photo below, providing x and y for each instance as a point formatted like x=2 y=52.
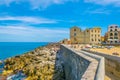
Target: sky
x=51 y=20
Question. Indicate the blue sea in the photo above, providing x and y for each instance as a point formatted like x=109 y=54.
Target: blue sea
x=10 y=49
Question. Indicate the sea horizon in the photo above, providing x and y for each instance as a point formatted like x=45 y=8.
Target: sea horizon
x=11 y=49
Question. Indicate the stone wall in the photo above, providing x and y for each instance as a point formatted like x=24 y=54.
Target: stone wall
x=112 y=65
x=100 y=73
x=78 y=66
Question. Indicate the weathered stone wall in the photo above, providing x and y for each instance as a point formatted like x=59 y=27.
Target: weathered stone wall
x=100 y=73
x=74 y=65
x=78 y=66
x=112 y=65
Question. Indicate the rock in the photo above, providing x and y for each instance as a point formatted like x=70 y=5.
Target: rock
x=0 y=62
x=41 y=63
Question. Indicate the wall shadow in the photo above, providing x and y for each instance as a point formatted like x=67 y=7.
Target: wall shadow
x=58 y=67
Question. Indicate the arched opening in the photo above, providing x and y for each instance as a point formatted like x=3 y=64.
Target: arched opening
x=115 y=41
x=115 y=29
x=92 y=39
x=111 y=34
x=116 y=34
x=116 y=26
x=74 y=29
x=111 y=27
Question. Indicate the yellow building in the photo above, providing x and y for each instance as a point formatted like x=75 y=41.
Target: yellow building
x=88 y=36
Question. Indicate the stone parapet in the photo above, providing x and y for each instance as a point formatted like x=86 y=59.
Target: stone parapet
x=80 y=65
x=112 y=64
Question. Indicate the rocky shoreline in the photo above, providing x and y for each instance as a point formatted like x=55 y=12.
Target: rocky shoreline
x=43 y=63
x=0 y=62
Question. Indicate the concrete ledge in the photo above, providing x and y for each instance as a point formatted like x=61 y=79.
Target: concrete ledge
x=80 y=65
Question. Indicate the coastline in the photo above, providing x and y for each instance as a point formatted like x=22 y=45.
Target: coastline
x=40 y=62
x=11 y=49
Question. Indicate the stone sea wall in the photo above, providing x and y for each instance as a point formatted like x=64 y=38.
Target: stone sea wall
x=79 y=66
x=112 y=65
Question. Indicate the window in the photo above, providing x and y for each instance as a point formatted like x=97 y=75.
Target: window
x=115 y=37
x=95 y=35
x=95 y=30
x=111 y=37
x=92 y=39
x=111 y=41
x=111 y=30
x=115 y=29
x=115 y=41
x=116 y=34
x=116 y=26
x=98 y=35
x=99 y=40
x=74 y=34
x=74 y=29
x=111 y=34
x=111 y=27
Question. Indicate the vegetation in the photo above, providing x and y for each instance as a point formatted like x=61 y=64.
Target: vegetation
x=40 y=64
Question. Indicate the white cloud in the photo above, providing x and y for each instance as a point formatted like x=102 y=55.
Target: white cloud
x=30 y=29
x=104 y=2
x=32 y=20
x=45 y=3
x=29 y=33
x=42 y=4
x=7 y=2
x=98 y=11
x=37 y=4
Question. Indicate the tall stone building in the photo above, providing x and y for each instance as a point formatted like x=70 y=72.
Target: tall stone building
x=88 y=36
x=113 y=35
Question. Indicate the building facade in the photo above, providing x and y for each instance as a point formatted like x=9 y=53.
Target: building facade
x=113 y=35
x=88 y=36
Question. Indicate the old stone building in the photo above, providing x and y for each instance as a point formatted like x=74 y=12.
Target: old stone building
x=88 y=36
x=113 y=35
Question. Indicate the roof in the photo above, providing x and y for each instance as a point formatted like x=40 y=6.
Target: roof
x=74 y=27
x=96 y=28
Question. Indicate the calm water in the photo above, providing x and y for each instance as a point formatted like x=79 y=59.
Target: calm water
x=10 y=49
